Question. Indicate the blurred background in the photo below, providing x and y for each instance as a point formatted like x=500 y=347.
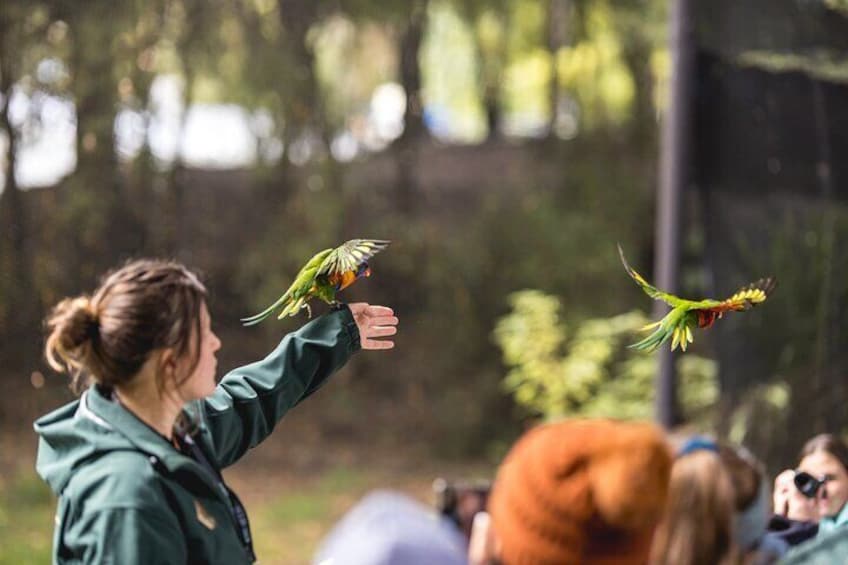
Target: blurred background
x=505 y=146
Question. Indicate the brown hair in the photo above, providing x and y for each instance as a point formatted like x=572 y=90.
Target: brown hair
x=696 y=529
x=146 y=305
x=745 y=474
x=828 y=443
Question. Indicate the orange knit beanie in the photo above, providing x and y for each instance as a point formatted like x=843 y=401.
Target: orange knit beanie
x=581 y=491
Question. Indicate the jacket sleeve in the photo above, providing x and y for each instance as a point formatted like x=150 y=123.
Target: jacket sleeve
x=250 y=400
x=117 y=536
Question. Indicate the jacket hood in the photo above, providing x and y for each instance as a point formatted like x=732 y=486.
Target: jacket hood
x=71 y=436
x=85 y=430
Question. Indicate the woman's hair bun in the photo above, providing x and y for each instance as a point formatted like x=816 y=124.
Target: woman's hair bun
x=73 y=324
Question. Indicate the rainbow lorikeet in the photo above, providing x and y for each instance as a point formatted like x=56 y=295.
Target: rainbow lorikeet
x=687 y=314
x=328 y=272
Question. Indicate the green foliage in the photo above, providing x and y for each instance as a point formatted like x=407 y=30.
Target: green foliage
x=556 y=371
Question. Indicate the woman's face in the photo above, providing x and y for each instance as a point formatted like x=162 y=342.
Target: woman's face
x=834 y=493
x=201 y=383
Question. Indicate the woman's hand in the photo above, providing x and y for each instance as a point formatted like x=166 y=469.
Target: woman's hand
x=789 y=502
x=374 y=322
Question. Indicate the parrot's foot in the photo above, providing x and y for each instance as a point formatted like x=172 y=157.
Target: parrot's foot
x=308 y=310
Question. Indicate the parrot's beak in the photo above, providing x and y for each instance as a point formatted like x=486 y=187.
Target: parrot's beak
x=367 y=272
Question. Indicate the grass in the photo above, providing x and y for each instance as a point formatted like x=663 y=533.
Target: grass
x=289 y=526
x=26 y=520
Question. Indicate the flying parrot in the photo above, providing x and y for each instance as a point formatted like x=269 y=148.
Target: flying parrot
x=328 y=272
x=687 y=314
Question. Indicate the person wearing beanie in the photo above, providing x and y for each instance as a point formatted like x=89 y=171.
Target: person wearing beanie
x=577 y=491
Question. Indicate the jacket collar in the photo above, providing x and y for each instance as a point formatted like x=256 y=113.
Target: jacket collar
x=97 y=406
x=109 y=413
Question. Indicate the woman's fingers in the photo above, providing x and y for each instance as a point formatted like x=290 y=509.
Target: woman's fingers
x=380 y=331
x=383 y=321
x=375 y=310
x=377 y=344
x=374 y=321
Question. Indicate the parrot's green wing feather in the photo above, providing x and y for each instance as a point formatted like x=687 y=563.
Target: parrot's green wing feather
x=676 y=325
x=649 y=289
x=302 y=284
x=349 y=255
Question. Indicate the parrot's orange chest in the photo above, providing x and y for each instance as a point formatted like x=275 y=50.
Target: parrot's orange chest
x=342 y=280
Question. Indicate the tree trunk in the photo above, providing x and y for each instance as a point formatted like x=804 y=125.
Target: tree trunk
x=490 y=63
x=557 y=36
x=305 y=107
x=98 y=224
x=410 y=71
x=636 y=52
x=19 y=304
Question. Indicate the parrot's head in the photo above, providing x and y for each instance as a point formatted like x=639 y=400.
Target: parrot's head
x=363 y=270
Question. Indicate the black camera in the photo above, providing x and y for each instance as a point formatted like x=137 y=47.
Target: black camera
x=807 y=484
x=460 y=501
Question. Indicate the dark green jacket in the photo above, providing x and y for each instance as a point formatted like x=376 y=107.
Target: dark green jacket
x=127 y=496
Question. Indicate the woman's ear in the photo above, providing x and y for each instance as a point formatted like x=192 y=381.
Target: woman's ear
x=168 y=365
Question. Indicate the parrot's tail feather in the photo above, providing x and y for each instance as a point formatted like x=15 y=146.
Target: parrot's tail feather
x=251 y=322
x=292 y=308
x=650 y=326
x=653 y=341
x=256 y=318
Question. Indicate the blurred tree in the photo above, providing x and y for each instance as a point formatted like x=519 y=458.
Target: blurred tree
x=412 y=33
x=489 y=19
x=97 y=225
x=640 y=25
x=304 y=120
x=559 y=16
x=23 y=26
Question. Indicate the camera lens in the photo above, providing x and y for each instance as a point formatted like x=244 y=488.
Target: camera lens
x=807 y=484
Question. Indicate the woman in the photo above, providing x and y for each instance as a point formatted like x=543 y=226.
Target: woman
x=825 y=457
x=136 y=460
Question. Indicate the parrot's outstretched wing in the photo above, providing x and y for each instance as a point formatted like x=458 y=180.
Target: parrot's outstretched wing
x=349 y=255
x=743 y=299
x=649 y=289
x=302 y=284
x=676 y=326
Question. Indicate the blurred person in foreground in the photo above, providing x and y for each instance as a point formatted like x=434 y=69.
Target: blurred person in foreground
x=718 y=509
x=579 y=491
x=823 y=467
x=136 y=460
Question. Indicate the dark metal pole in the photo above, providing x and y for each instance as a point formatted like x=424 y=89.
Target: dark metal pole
x=675 y=154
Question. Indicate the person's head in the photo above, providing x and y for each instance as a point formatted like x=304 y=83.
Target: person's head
x=148 y=317
x=697 y=526
x=580 y=491
x=825 y=457
x=751 y=496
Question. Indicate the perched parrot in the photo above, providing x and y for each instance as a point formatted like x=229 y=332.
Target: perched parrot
x=687 y=314
x=323 y=276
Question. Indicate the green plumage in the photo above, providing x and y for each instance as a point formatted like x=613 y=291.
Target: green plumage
x=686 y=315
x=326 y=273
